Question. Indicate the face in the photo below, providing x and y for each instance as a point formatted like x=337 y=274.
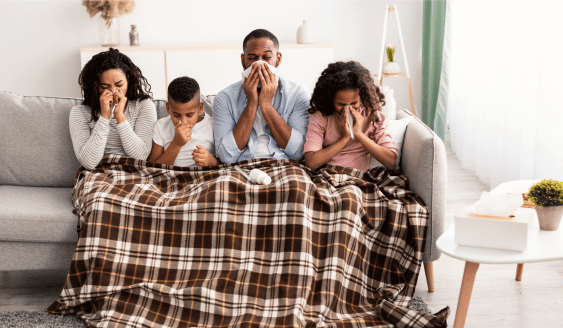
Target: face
x=186 y=112
x=345 y=98
x=260 y=49
x=113 y=80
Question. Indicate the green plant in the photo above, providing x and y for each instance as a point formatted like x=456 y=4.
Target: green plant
x=390 y=53
x=546 y=193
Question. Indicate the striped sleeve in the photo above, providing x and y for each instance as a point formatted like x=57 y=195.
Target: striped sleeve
x=88 y=146
x=137 y=141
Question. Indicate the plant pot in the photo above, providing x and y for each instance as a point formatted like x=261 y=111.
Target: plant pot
x=549 y=217
x=391 y=68
x=109 y=31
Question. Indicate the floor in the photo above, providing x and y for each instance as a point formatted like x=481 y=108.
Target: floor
x=497 y=301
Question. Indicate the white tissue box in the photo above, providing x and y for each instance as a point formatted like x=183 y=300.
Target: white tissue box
x=494 y=232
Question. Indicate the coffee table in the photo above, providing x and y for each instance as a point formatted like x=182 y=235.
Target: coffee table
x=542 y=246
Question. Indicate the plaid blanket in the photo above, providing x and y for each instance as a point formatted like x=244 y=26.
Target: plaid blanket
x=162 y=246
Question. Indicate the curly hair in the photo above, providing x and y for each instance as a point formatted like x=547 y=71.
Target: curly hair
x=138 y=87
x=183 y=89
x=349 y=75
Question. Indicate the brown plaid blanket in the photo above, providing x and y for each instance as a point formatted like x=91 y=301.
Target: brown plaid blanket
x=163 y=246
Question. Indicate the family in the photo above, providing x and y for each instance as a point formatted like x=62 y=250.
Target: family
x=262 y=116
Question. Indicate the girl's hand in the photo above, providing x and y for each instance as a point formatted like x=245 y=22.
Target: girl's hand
x=202 y=157
x=358 y=122
x=106 y=101
x=119 y=99
x=342 y=120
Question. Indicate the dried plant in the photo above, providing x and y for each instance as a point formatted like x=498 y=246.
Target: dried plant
x=390 y=52
x=108 y=8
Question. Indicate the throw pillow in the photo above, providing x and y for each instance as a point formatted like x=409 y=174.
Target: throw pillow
x=397 y=130
x=390 y=108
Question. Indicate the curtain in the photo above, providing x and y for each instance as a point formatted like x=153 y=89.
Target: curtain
x=434 y=13
x=505 y=88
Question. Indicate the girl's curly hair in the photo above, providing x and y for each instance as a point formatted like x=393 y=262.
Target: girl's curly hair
x=349 y=75
x=138 y=88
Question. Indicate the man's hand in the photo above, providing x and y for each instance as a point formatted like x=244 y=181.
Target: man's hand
x=106 y=101
x=269 y=86
x=119 y=99
x=202 y=157
x=250 y=86
x=182 y=134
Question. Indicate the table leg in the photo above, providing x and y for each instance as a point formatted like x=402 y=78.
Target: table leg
x=465 y=293
x=519 y=270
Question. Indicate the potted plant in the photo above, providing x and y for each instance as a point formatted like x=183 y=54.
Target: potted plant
x=109 y=11
x=391 y=67
x=547 y=196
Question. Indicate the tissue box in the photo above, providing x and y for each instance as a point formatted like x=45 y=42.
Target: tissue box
x=494 y=232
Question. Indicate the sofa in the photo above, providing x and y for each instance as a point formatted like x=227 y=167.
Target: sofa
x=38 y=166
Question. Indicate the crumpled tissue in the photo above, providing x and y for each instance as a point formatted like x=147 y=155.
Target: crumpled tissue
x=246 y=72
x=498 y=205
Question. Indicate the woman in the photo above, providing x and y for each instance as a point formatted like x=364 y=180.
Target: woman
x=348 y=87
x=117 y=115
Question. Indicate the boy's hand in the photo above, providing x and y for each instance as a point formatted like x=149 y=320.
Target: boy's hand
x=202 y=157
x=182 y=133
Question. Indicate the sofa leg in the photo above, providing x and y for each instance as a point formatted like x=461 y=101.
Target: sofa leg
x=429 y=271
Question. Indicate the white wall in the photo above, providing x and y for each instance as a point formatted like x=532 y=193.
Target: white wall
x=40 y=40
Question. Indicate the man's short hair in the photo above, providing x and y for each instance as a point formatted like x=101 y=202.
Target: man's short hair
x=183 y=89
x=261 y=33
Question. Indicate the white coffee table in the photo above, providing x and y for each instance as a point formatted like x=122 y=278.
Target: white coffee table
x=542 y=246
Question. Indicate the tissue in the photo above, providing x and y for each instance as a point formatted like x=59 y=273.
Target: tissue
x=501 y=205
x=246 y=72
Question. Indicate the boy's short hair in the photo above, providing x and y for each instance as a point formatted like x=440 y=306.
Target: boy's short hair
x=183 y=89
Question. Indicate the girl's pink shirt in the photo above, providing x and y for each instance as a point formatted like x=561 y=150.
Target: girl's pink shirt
x=323 y=132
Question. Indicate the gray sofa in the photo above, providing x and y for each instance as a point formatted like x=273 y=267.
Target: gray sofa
x=38 y=165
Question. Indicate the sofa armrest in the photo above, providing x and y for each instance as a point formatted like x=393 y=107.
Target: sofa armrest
x=424 y=163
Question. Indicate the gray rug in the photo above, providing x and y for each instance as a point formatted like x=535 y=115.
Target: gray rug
x=39 y=319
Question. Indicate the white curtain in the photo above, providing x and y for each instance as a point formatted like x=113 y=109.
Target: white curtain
x=504 y=91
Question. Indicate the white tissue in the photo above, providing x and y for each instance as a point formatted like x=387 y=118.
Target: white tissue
x=246 y=72
x=502 y=206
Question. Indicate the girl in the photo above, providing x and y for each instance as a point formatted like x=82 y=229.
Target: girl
x=117 y=115
x=343 y=87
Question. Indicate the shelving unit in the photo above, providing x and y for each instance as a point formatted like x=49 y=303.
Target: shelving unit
x=381 y=75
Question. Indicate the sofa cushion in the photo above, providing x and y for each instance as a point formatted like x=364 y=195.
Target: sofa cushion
x=390 y=108
x=36 y=145
x=397 y=130
x=37 y=214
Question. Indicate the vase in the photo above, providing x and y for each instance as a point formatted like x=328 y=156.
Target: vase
x=109 y=31
x=305 y=33
x=391 y=68
x=549 y=217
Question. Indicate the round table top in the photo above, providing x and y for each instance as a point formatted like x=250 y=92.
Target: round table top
x=542 y=245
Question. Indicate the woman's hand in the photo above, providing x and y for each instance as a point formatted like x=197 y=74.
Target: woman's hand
x=106 y=100
x=358 y=122
x=202 y=157
x=121 y=101
x=342 y=123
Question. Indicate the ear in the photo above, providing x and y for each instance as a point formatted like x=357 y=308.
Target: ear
x=201 y=107
x=242 y=60
x=167 y=108
x=279 y=58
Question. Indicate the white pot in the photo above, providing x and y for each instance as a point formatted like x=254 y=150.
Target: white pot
x=305 y=33
x=549 y=217
x=391 y=68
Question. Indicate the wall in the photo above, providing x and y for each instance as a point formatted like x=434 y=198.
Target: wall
x=40 y=40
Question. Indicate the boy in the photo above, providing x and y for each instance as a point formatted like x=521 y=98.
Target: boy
x=185 y=137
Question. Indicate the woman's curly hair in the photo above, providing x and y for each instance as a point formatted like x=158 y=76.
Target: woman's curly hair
x=138 y=88
x=349 y=75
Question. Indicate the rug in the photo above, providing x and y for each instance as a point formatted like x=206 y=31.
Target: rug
x=39 y=319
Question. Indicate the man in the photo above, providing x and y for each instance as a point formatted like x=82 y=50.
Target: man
x=264 y=116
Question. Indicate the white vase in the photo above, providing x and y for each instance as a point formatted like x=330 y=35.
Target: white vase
x=391 y=68
x=305 y=33
x=109 y=31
